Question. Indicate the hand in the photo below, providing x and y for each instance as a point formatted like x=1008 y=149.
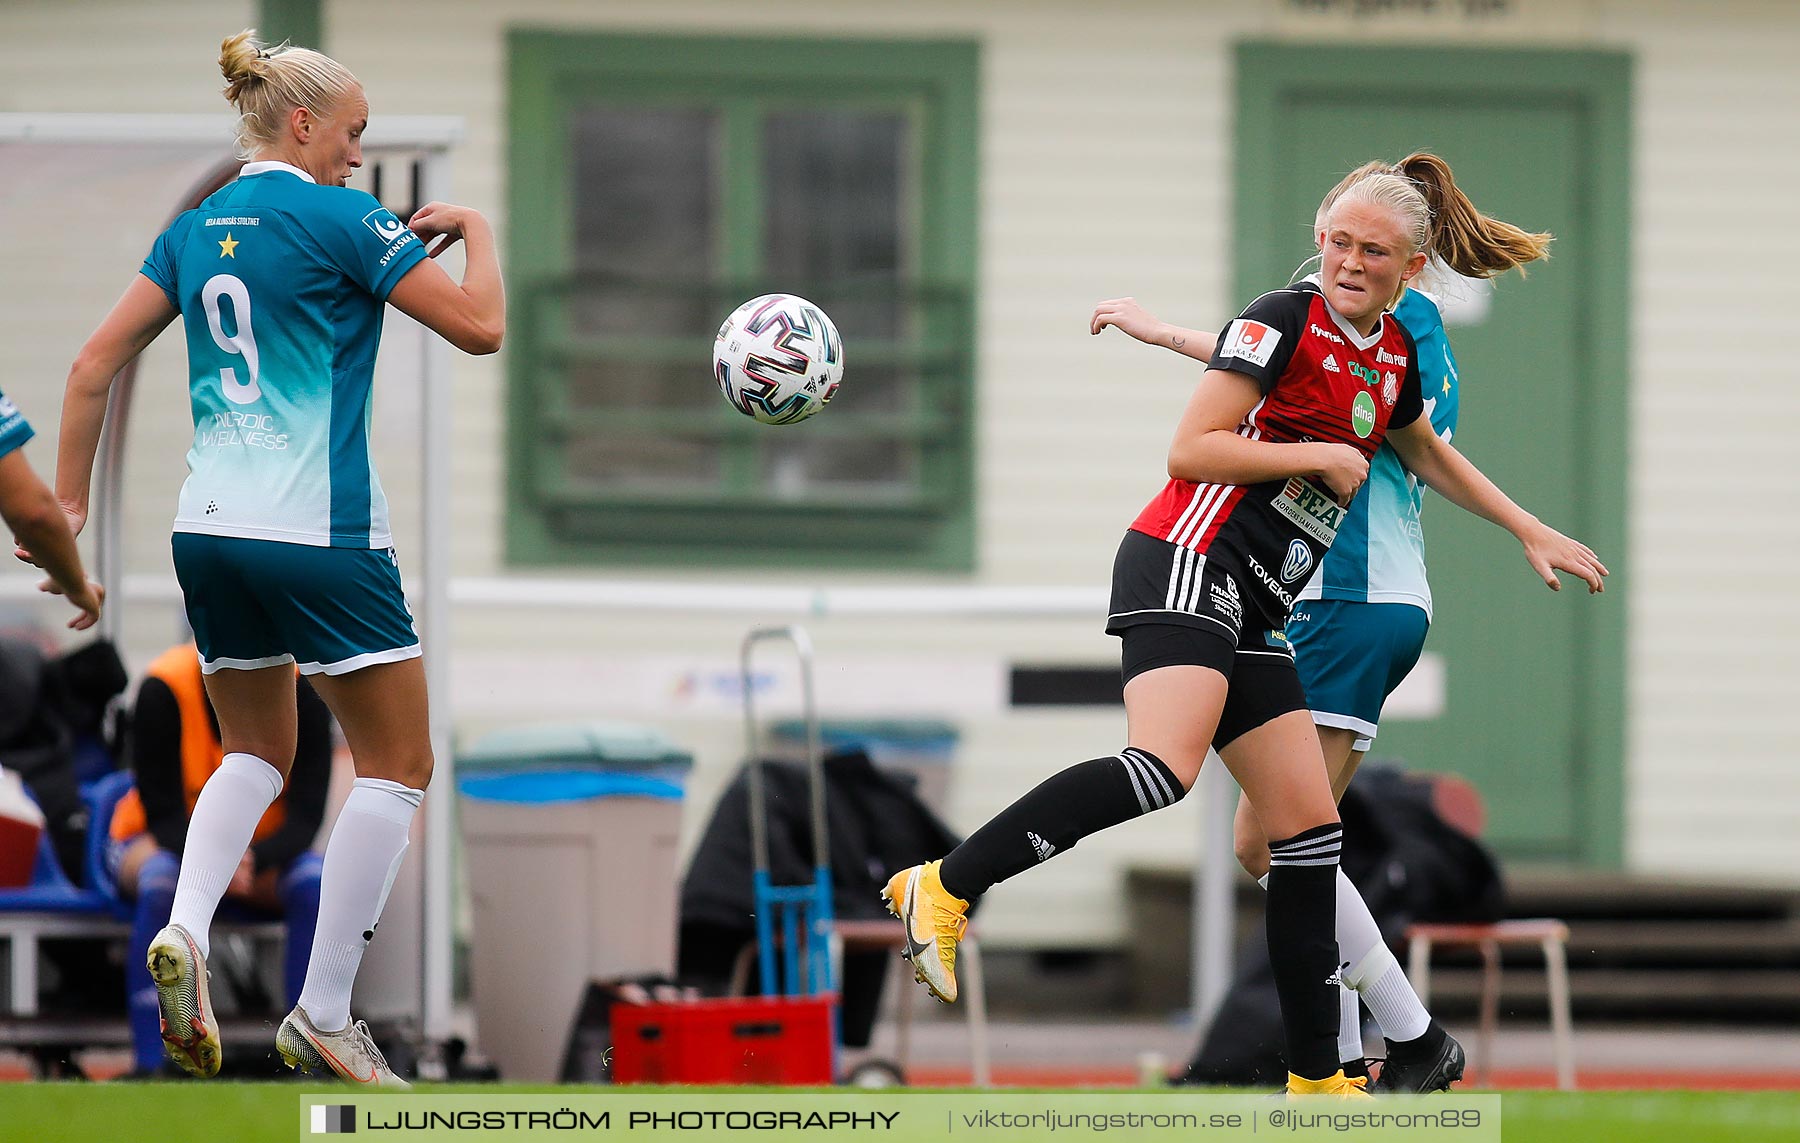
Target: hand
x=243 y=881
x=88 y=601
x=440 y=220
x=1548 y=551
x=77 y=520
x=1126 y=315
x=1343 y=469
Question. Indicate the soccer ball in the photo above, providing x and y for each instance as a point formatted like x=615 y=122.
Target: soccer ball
x=778 y=358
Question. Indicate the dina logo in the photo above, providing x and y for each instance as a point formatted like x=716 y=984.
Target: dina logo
x=334 y=1119
x=1299 y=561
x=1362 y=415
x=385 y=225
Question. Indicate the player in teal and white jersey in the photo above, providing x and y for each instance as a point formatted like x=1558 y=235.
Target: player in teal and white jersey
x=281 y=536
x=1359 y=622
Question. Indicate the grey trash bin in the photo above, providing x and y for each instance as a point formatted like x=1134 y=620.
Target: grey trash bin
x=569 y=839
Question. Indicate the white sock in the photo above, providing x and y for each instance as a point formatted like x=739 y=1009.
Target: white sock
x=231 y=803
x=1350 y=1044
x=361 y=861
x=1370 y=967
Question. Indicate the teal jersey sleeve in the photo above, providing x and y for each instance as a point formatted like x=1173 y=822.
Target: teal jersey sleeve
x=15 y=430
x=162 y=264
x=363 y=239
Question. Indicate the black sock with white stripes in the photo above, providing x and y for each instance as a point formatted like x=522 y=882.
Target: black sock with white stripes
x=1302 y=929
x=1058 y=812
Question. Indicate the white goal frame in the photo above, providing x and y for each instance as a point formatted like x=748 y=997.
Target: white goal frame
x=431 y=138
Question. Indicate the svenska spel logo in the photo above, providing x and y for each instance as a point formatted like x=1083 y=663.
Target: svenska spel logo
x=384 y=224
x=333 y=1119
x=1250 y=341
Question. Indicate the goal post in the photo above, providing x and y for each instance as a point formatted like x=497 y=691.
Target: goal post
x=407 y=163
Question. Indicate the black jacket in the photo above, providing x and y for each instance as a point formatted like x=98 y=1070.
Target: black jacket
x=877 y=826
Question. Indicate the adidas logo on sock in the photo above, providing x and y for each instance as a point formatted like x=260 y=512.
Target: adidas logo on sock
x=1044 y=849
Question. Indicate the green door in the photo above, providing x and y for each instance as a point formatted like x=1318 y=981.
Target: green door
x=1533 y=681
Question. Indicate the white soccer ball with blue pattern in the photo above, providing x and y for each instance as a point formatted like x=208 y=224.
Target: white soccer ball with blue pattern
x=778 y=358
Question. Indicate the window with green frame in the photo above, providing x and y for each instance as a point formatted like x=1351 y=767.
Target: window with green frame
x=658 y=181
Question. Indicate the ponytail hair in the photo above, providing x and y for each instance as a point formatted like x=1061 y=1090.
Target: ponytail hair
x=1467 y=240
x=266 y=84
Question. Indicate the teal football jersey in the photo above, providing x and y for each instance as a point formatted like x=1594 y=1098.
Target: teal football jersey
x=1379 y=556
x=281 y=284
x=15 y=430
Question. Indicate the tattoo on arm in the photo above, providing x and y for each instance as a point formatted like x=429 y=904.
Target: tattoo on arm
x=1178 y=341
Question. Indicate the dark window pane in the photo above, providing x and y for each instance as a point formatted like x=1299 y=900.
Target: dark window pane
x=835 y=220
x=609 y=384
x=803 y=467
x=645 y=207
x=659 y=462
x=833 y=193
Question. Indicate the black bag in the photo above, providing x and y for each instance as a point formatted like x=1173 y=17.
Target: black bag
x=1408 y=864
x=876 y=826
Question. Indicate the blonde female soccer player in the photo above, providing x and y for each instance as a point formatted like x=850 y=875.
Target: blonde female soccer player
x=1274 y=443
x=1359 y=622
x=281 y=540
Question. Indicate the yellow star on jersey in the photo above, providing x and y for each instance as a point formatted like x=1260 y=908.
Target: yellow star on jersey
x=1446 y=380
x=228 y=247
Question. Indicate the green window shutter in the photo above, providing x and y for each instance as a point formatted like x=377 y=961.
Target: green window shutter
x=659 y=181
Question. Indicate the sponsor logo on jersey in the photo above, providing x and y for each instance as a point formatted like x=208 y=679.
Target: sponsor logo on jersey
x=405 y=240
x=1362 y=415
x=1320 y=331
x=1364 y=374
x=246 y=430
x=235 y=220
x=1228 y=602
x=1311 y=510
x=1383 y=357
x=1331 y=365
x=1250 y=341
x=1390 y=388
x=1275 y=589
x=1277 y=640
x=382 y=223
x=1299 y=561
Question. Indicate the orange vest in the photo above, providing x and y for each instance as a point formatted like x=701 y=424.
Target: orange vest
x=201 y=754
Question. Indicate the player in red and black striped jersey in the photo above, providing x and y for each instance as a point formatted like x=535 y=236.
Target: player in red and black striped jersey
x=1274 y=442
x=1319 y=379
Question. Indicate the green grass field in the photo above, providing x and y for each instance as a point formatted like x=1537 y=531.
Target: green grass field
x=53 y=1113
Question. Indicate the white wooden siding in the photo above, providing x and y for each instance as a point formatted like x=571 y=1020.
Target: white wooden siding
x=1105 y=170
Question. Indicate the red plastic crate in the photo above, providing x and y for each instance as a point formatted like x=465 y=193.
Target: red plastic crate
x=784 y=1040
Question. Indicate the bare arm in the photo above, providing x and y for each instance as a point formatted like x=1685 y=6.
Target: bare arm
x=1454 y=477
x=1127 y=316
x=136 y=318
x=470 y=316
x=40 y=528
x=1207 y=447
